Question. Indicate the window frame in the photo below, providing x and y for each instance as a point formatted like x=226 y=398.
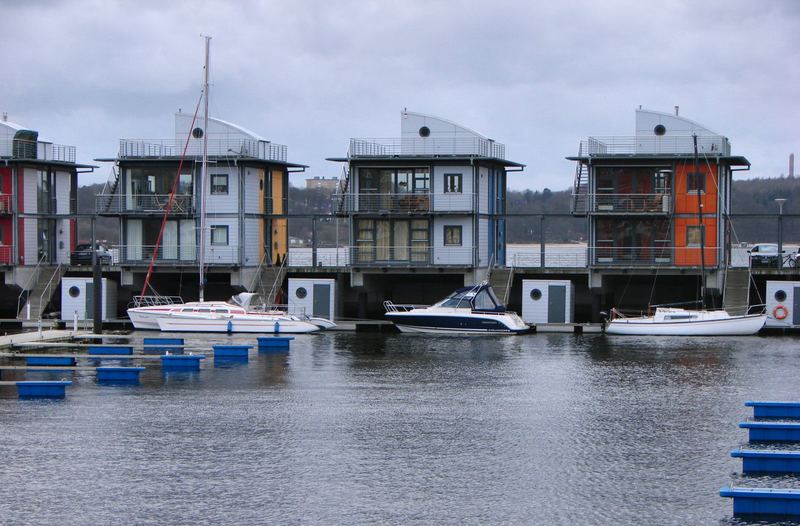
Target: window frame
x=212 y=186
x=459 y=177
x=694 y=228
x=448 y=231
x=221 y=228
x=699 y=180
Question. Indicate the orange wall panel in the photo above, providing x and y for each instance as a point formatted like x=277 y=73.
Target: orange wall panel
x=690 y=256
x=686 y=202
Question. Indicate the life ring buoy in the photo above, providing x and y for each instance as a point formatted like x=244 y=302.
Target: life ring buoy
x=780 y=312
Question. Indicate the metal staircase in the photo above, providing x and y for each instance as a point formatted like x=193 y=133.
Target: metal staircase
x=501 y=279
x=736 y=296
x=109 y=190
x=45 y=286
x=341 y=192
x=580 y=188
x=269 y=280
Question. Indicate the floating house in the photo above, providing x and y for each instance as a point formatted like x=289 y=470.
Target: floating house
x=651 y=203
x=38 y=206
x=245 y=203
x=429 y=202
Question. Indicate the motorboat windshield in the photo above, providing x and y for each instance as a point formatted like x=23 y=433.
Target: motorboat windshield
x=479 y=297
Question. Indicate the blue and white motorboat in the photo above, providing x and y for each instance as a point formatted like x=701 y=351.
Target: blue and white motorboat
x=468 y=310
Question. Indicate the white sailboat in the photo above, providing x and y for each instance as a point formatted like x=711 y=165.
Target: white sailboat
x=243 y=313
x=673 y=321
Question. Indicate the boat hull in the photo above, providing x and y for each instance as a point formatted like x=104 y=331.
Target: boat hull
x=233 y=325
x=732 y=326
x=455 y=324
x=146 y=319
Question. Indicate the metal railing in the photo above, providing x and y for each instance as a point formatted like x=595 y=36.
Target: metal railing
x=404 y=202
x=470 y=146
x=45 y=151
x=55 y=278
x=34 y=277
x=5 y=203
x=152 y=301
x=143 y=203
x=607 y=203
x=655 y=145
x=134 y=255
x=6 y=252
x=238 y=148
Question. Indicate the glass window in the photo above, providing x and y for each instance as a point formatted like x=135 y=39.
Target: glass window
x=404 y=181
x=219 y=234
x=483 y=301
x=219 y=184
x=694 y=236
x=452 y=183
x=422 y=178
x=452 y=235
x=695 y=182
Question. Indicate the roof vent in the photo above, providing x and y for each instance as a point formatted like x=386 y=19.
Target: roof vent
x=5 y=116
x=676 y=110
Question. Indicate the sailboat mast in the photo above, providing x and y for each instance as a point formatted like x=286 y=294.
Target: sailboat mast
x=702 y=228
x=204 y=177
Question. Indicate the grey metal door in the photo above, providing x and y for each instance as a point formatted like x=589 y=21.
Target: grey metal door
x=322 y=301
x=796 y=309
x=556 y=301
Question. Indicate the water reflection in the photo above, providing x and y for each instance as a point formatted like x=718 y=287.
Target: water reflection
x=370 y=428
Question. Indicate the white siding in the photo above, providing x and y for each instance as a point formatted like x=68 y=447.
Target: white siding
x=219 y=253
x=448 y=202
x=452 y=255
x=63 y=235
x=483 y=190
x=252 y=178
x=252 y=242
x=536 y=310
x=305 y=305
x=788 y=288
x=62 y=180
x=223 y=204
x=483 y=242
x=77 y=302
x=30 y=225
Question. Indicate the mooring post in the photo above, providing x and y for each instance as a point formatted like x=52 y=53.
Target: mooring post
x=75 y=321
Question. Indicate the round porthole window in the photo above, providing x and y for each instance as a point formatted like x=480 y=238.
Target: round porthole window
x=74 y=292
x=659 y=129
x=424 y=131
x=301 y=292
x=197 y=133
x=536 y=294
x=780 y=295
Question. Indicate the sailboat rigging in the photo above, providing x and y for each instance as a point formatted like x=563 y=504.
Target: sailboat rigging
x=244 y=312
x=675 y=321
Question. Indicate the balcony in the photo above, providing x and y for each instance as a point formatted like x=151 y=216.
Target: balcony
x=173 y=149
x=42 y=151
x=403 y=203
x=144 y=204
x=172 y=255
x=5 y=204
x=653 y=145
x=629 y=204
x=427 y=147
x=6 y=253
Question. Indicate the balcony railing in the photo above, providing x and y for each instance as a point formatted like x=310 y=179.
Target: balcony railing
x=607 y=203
x=655 y=145
x=426 y=147
x=170 y=148
x=44 y=151
x=5 y=204
x=403 y=203
x=143 y=204
x=134 y=255
x=6 y=252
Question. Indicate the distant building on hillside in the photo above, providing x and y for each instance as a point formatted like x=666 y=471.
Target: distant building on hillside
x=322 y=183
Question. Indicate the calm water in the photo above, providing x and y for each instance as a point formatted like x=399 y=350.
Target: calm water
x=373 y=429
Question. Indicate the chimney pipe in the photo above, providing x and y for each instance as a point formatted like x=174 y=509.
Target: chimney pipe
x=5 y=116
x=676 y=110
x=791 y=165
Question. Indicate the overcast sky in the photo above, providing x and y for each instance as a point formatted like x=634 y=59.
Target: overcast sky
x=311 y=74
